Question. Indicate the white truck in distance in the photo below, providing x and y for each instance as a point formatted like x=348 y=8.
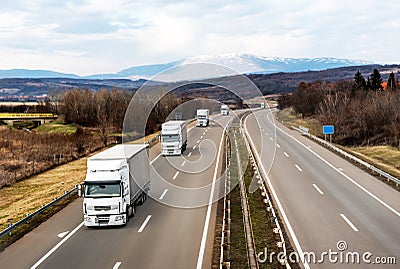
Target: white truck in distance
x=262 y=105
x=117 y=180
x=173 y=137
x=224 y=110
x=203 y=116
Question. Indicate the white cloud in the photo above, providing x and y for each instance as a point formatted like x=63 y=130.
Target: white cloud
x=87 y=37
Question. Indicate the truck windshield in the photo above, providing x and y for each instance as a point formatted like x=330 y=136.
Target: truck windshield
x=169 y=138
x=103 y=190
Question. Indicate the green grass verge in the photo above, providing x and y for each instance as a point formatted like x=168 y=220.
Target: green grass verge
x=57 y=126
x=238 y=239
x=261 y=225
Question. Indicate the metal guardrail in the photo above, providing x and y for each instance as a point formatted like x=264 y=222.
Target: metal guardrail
x=28 y=217
x=226 y=221
x=250 y=245
x=267 y=200
x=156 y=137
x=347 y=155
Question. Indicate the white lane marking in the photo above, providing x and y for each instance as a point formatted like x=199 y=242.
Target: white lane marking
x=298 y=167
x=190 y=154
x=270 y=138
x=163 y=194
x=198 y=141
x=266 y=133
x=176 y=174
x=144 y=224
x=318 y=189
x=349 y=223
x=210 y=202
x=61 y=235
x=278 y=145
x=57 y=246
x=340 y=169
x=155 y=158
x=201 y=137
x=285 y=153
x=194 y=147
x=116 y=265
x=344 y=175
x=204 y=132
x=284 y=216
x=183 y=163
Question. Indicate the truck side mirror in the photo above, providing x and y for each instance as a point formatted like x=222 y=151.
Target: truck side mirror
x=80 y=190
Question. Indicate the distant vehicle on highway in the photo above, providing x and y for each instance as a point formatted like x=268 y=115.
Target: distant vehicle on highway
x=203 y=117
x=262 y=105
x=117 y=180
x=224 y=110
x=173 y=137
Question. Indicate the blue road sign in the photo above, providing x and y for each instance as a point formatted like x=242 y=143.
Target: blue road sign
x=328 y=129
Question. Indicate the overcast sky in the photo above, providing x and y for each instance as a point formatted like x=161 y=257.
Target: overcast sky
x=105 y=36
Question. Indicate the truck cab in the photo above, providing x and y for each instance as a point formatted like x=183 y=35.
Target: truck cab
x=117 y=180
x=224 y=110
x=202 y=117
x=173 y=137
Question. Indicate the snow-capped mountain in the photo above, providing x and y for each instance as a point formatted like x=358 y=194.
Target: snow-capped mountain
x=248 y=63
x=241 y=63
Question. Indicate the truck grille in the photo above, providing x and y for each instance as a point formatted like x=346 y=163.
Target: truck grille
x=102 y=208
x=103 y=219
x=170 y=147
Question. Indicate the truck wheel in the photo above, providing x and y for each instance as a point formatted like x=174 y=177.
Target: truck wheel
x=130 y=212
x=142 y=199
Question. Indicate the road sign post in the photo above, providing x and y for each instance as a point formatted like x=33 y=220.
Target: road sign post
x=328 y=130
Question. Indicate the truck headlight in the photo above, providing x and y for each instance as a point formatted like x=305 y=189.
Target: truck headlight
x=112 y=207
x=88 y=219
x=90 y=207
x=118 y=218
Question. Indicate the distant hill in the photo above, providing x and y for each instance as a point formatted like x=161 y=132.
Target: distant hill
x=241 y=63
x=25 y=73
x=31 y=88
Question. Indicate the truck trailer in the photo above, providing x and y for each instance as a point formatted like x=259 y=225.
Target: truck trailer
x=203 y=116
x=117 y=180
x=224 y=110
x=173 y=137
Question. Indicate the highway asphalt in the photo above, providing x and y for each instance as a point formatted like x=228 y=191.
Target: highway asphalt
x=173 y=229
x=328 y=204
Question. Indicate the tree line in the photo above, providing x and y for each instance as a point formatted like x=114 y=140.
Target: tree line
x=363 y=111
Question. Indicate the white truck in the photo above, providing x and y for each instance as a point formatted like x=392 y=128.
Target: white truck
x=173 y=137
x=262 y=105
x=117 y=180
x=224 y=110
x=203 y=117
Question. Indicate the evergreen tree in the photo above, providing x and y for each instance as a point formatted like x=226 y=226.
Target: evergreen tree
x=368 y=86
x=391 y=85
x=359 y=82
x=376 y=80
